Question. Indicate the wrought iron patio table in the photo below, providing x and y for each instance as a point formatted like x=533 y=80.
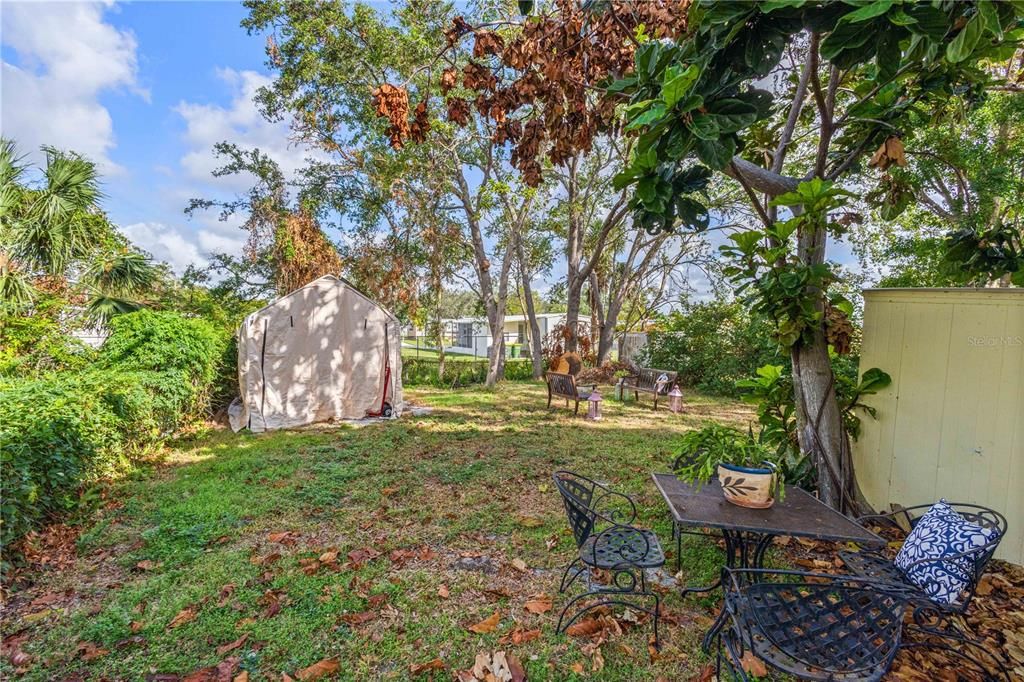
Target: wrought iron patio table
x=749 y=532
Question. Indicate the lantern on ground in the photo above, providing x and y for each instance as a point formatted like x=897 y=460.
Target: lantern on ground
x=675 y=399
x=594 y=406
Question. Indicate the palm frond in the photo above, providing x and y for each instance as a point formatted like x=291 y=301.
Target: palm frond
x=101 y=309
x=126 y=273
x=16 y=288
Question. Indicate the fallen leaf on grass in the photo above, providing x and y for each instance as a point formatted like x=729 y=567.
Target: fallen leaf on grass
x=420 y=668
x=443 y=592
x=520 y=636
x=358 y=618
x=530 y=522
x=487 y=625
x=515 y=668
x=329 y=557
x=360 y=556
x=577 y=668
x=753 y=665
x=519 y=565
x=225 y=594
x=706 y=674
x=284 y=538
x=147 y=565
x=539 y=603
x=136 y=625
x=90 y=652
x=186 y=615
x=222 y=672
x=47 y=599
x=242 y=677
x=231 y=646
x=327 y=666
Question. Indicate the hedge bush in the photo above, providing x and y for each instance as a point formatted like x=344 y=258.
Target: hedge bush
x=423 y=372
x=712 y=345
x=63 y=430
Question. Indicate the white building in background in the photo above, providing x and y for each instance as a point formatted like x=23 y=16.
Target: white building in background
x=472 y=335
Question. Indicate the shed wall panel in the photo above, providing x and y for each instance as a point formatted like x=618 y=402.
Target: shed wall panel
x=952 y=423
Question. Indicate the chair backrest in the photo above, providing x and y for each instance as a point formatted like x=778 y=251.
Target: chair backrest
x=562 y=384
x=577 y=495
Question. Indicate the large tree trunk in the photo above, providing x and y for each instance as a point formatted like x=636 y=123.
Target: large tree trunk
x=572 y=318
x=531 y=311
x=436 y=325
x=819 y=422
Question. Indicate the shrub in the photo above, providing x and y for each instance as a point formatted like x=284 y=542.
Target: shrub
x=423 y=372
x=64 y=430
x=32 y=345
x=712 y=345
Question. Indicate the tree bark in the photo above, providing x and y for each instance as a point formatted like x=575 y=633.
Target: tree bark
x=819 y=423
x=531 y=310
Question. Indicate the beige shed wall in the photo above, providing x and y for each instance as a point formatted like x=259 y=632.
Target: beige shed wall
x=314 y=355
x=952 y=423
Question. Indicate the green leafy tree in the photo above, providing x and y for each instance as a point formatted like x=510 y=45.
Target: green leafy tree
x=787 y=97
x=953 y=215
x=54 y=239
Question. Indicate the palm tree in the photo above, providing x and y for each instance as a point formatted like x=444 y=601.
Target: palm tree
x=54 y=236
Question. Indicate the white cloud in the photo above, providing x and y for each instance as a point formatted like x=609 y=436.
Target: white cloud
x=239 y=122
x=180 y=247
x=67 y=56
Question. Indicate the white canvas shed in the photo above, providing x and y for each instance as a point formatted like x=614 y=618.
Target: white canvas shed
x=322 y=352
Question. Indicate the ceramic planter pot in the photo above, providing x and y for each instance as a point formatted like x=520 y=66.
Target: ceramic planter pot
x=747 y=487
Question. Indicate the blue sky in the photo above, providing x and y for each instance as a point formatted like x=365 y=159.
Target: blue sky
x=145 y=89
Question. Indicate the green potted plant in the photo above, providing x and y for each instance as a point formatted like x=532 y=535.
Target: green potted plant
x=747 y=470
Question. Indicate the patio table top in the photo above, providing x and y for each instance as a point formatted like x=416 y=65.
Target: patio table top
x=798 y=514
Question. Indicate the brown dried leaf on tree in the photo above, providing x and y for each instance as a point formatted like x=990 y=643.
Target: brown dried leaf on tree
x=420 y=123
x=458 y=29
x=891 y=152
x=458 y=111
x=392 y=102
x=449 y=79
x=487 y=43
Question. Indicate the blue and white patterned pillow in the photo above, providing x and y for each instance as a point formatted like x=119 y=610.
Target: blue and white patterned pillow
x=939 y=533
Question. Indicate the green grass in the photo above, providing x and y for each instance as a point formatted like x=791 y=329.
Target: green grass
x=472 y=478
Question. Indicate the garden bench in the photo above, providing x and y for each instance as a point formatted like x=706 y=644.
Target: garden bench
x=564 y=386
x=646 y=381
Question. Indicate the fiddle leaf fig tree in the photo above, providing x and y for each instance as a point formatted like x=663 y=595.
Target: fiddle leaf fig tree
x=795 y=100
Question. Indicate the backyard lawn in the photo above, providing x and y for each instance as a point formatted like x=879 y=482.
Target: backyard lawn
x=225 y=540
x=371 y=551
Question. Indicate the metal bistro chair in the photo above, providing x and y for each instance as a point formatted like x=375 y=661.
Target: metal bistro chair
x=601 y=521
x=813 y=626
x=933 y=618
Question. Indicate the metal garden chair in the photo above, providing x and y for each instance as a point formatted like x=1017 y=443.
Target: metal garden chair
x=933 y=618
x=812 y=626
x=601 y=521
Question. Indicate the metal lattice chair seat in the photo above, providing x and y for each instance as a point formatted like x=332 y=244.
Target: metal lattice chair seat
x=616 y=546
x=815 y=627
x=876 y=566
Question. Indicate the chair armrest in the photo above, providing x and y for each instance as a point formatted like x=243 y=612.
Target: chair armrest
x=613 y=516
